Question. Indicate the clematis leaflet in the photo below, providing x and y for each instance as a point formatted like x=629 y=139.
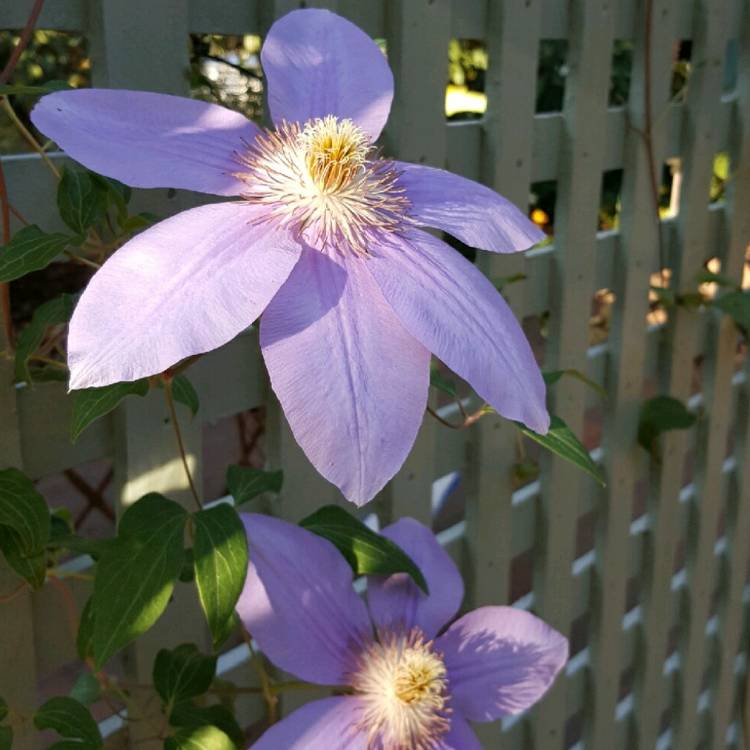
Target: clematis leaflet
x=325 y=239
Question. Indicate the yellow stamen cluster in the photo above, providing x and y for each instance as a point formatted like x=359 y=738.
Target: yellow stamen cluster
x=403 y=683
x=324 y=181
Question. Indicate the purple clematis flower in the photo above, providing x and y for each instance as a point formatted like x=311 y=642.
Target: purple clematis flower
x=324 y=240
x=409 y=687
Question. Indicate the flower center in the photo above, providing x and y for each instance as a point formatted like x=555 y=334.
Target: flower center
x=335 y=152
x=403 y=684
x=325 y=182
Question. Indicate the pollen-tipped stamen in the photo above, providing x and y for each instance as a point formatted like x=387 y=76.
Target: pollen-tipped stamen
x=325 y=182
x=403 y=685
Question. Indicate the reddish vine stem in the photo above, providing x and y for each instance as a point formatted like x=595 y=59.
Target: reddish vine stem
x=23 y=42
x=5 y=75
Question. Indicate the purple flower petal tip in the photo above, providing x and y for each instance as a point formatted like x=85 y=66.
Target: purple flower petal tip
x=148 y=140
x=501 y=661
x=318 y=64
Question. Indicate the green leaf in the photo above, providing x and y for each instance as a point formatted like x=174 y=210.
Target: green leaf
x=89 y=404
x=708 y=277
x=31 y=567
x=81 y=200
x=86 y=689
x=70 y=720
x=24 y=526
x=562 y=442
x=6 y=738
x=503 y=281
x=664 y=295
x=552 y=376
x=246 y=483
x=30 y=249
x=189 y=715
x=220 y=551
x=366 y=551
x=16 y=89
x=199 y=738
x=3 y=708
x=136 y=223
x=85 y=637
x=737 y=306
x=437 y=380
x=54 y=312
x=136 y=573
x=24 y=510
x=660 y=414
x=182 y=673
x=184 y=393
x=117 y=194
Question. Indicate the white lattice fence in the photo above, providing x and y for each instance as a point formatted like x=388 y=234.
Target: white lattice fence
x=656 y=600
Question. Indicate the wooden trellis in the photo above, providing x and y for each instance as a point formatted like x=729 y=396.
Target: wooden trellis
x=660 y=659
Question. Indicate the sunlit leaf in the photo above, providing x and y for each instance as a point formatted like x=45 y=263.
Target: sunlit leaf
x=189 y=715
x=561 y=441
x=136 y=573
x=70 y=720
x=220 y=552
x=91 y=403
x=30 y=249
x=199 y=738
x=54 y=312
x=368 y=552
x=24 y=510
x=81 y=200
x=661 y=414
x=245 y=482
x=182 y=673
x=184 y=393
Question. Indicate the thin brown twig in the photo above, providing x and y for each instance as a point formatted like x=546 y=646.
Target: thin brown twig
x=83 y=261
x=18 y=215
x=468 y=419
x=17 y=591
x=270 y=697
x=27 y=135
x=167 y=382
x=23 y=42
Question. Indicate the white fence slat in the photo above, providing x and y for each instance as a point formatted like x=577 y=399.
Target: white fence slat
x=676 y=375
x=739 y=233
x=417 y=36
x=512 y=43
x=139 y=44
x=731 y=620
x=510 y=85
x=576 y=216
x=638 y=246
x=719 y=366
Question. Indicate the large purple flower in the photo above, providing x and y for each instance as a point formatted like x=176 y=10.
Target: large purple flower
x=408 y=687
x=324 y=238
